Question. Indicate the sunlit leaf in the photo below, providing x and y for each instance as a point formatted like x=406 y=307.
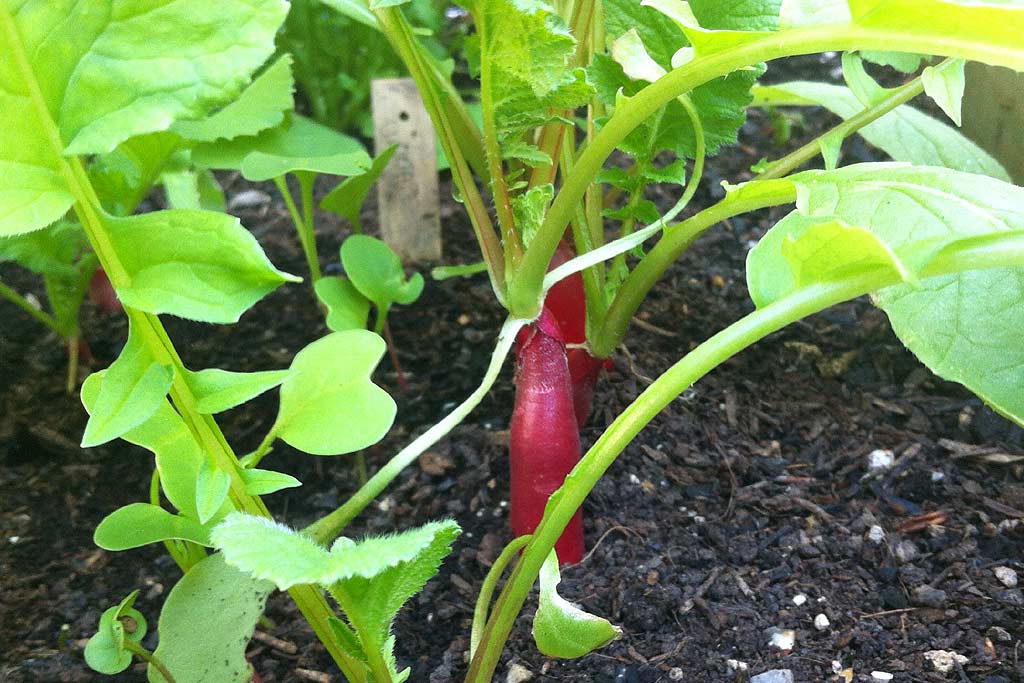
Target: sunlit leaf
x=562 y=629
x=139 y=524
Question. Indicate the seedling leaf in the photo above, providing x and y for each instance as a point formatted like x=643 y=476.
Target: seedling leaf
x=105 y=651
x=329 y=404
x=264 y=482
x=133 y=387
x=347 y=198
x=562 y=629
x=377 y=272
x=198 y=265
x=347 y=308
x=139 y=524
x=219 y=390
x=260 y=106
x=212 y=486
x=227 y=603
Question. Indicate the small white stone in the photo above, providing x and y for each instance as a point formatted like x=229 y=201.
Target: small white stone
x=248 y=199
x=881 y=675
x=14 y=539
x=906 y=551
x=699 y=520
x=938 y=476
x=1006 y=576
x=736 y=665
x=837 y=667
x=799 y=599
x=774 y=676
x=633 y=479
x=517 y=673
x=943 y=661
x=821 y=622
x=783 y=639
x=880 y=459
x=675 y=674
x=876 y=534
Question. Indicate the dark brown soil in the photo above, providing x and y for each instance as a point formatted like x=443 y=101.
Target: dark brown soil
x=751 y=489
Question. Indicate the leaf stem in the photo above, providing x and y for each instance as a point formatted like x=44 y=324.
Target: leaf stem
x=303 y=227
x=150 y=659
x=895 y=98
x=327 y=528
x=23 y=303
x=483 y=598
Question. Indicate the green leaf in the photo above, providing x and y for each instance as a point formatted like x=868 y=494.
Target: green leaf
x=867 y=90
x=105 y=652
x=260 y=106
x=269 y=550
x=904 y=62
x=190 y=189
x=212 y=486
x=123 y=176
x=347 y=308
x=227 y=603
x=133 y=388
x=529 y=209
x=737 y=15
x=661 y=36
x=299 y=144
x=377 y=272
x=945 y=85
x=194 y=264
x=357 y=10
x=264 y=482
x=54 y=250
x=347 y=199
x=378 y=598
x=561 y=629
x=796 y=13
x=139 y=524
x=103 y=72
x=219 y=390
x=329 y=404
x=905 y=133
x=178 y=456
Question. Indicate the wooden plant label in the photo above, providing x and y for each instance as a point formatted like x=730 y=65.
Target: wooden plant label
x=407 y=193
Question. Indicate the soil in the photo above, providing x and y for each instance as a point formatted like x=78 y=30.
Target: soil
x=747 y=508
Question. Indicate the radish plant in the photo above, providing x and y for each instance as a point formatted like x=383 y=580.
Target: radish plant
x=935 y=237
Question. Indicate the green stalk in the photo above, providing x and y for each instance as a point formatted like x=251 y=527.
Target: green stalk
x=149 y=658
x=895 y=98
x=398 y=32
x=674 y=241
x=23 y=303
x=327 y=528
x=525 y=286
x=483 y=598
x=302 y=221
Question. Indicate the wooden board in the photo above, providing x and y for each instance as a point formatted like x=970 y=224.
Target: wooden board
x=407 y=192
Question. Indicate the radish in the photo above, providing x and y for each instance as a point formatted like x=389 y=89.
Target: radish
x=544 y=442
x=101 y=292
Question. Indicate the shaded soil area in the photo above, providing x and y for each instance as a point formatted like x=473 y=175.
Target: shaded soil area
x=743 y=512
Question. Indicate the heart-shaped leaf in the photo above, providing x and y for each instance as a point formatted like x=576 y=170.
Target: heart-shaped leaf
x=347 y=308
x=329 y=404
x=376 y=271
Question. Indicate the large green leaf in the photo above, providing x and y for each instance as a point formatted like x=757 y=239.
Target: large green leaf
x=81 y=78
x=298 y=144
x=260 y=106
x=132 y=390
x=901 y=218
x=329 y=404
x=737 y=15
x=905 y=133
x=562 y=629
x=139 y=524
x=206 y=623
x=199 y=265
